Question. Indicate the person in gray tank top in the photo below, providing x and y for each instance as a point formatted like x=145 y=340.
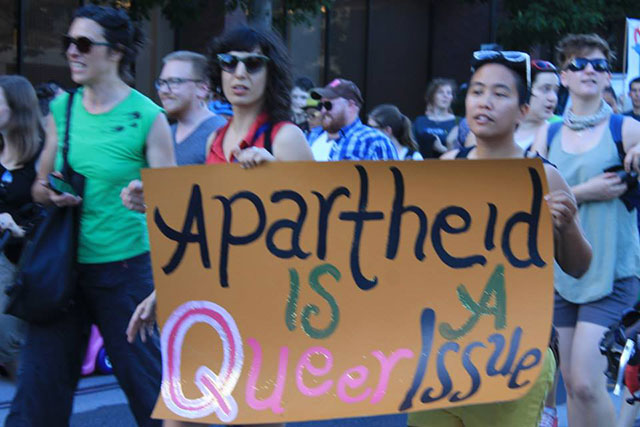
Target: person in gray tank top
x=583 y=149
x=183 y=91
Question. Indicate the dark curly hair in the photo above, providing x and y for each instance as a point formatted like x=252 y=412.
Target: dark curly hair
x=119 y=31
x=277 y=103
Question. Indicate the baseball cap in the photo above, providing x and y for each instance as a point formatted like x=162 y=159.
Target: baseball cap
x=338 y=88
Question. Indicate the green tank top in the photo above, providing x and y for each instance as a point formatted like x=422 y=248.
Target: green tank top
x=610 y=228
x=109 y=150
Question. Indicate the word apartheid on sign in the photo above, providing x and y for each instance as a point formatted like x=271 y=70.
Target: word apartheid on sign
x=299 y=291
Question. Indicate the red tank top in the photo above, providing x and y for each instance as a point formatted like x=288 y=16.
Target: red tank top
x=216 y=153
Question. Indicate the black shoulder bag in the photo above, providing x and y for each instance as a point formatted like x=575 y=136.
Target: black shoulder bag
x=45 y=284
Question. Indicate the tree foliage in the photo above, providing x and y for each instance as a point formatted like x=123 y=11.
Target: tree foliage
x=180 y=12
x=527 y=23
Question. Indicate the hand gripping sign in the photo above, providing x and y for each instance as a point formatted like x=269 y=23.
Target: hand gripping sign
x=295 y=291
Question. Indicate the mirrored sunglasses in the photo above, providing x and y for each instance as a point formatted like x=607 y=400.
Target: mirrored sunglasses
x=599 y=64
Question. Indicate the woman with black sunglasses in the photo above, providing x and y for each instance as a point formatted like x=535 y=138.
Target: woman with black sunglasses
x=251 y=68
x=114 y=131
x=20 y=142
x=583 y=148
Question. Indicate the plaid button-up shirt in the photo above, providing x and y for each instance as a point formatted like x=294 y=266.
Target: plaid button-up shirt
x=360 y=142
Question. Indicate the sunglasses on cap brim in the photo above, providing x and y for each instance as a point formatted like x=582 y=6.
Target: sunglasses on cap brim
x=520 y=62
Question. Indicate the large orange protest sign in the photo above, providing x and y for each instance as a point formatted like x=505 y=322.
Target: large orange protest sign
x=298 y=291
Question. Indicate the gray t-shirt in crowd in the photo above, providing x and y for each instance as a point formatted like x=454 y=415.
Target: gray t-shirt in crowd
x=191 y=151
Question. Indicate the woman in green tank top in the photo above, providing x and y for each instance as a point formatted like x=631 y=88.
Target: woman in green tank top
x=114 y=131
x=582 y=150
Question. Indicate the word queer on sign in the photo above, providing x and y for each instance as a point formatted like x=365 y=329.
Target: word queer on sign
x=304 y=291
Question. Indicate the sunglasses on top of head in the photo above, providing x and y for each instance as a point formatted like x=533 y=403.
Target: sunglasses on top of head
x=542 y=65
x=83 y=44
x=599 y=64
x=252 y=63
x=510 y=58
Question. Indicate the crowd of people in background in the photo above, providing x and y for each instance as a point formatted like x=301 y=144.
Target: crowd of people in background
x=238 y=102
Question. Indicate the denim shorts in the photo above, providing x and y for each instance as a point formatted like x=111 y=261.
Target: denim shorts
x=604 y=312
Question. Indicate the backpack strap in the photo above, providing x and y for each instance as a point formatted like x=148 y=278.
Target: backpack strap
x=463 y=153
x=266 y=130
x=552 y=131
x=615 y=126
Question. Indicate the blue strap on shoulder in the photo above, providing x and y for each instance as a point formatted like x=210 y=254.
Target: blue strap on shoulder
x=615 y=126
x=552 y=131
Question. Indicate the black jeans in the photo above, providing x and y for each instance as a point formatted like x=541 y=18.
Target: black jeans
x=52 y=356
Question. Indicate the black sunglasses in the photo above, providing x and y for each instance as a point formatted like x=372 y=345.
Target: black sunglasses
x=252 y=63
x=327 y=105
x=84 y=44
x=599 y=64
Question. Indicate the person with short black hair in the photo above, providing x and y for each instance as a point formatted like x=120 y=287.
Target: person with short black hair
x=495 y=104
x=299 y=96
x=634 y=94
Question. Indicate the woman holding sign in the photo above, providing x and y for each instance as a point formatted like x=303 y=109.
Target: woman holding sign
x=495 y=104
x=588 y=147
x=252 y=70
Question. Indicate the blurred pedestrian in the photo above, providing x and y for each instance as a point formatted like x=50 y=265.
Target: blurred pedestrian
x=20 y=143
x=389 y=120
x=438 y=119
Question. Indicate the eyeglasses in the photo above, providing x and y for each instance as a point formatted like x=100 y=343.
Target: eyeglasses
x=252 y=63
x=172 y=83
x=599 y=64
x=5 y=181
x=84 y=44
x=517 y=61
x=541 y=65
x=327 y=105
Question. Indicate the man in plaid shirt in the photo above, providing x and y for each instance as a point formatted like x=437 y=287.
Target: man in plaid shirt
x=340 y=103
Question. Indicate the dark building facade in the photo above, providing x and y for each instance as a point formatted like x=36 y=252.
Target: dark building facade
x=390 y=48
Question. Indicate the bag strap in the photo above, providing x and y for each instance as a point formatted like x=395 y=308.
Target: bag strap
x=66 y=168
x=615 y=126
x=266 y=130
x=552 y=131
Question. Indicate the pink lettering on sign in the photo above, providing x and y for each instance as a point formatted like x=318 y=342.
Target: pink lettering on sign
x=216 y=389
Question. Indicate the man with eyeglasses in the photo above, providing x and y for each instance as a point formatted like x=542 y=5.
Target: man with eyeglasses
x=340 y=103
x=183 y=91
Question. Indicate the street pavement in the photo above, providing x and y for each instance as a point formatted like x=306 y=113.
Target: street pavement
x=100 y=402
